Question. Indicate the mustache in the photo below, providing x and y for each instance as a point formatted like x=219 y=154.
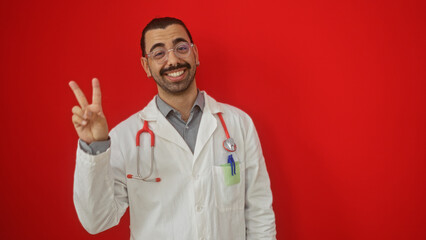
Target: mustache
x=177 y=66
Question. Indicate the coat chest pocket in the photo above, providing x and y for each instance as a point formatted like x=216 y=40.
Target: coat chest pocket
x=229 y=186
x=147 y=195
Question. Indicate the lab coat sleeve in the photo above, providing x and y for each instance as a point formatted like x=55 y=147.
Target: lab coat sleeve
x=100 y=193
x=259 y=215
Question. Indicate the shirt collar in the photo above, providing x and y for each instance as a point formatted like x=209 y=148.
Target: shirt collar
x=165 y=108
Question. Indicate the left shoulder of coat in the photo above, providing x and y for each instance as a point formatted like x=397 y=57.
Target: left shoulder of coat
x=230 y=113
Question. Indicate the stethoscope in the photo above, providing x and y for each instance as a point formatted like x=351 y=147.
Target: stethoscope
x=229 y=145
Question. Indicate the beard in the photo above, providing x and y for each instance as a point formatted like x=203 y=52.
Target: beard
x=175 y=88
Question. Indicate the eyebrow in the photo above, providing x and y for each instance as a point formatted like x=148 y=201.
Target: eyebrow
x=178 y=40
x=156 y=45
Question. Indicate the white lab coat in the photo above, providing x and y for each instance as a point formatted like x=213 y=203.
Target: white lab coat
x=191 y=201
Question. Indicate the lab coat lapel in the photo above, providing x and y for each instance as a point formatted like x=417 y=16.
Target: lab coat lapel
x=166 y=130
x=161 y=126
x=208 y=124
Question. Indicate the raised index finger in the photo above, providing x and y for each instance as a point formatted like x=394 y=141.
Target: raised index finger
x=79 y=94
x=97 y=97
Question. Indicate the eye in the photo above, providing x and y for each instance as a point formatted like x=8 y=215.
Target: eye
x=158 y=54
x=182 y=48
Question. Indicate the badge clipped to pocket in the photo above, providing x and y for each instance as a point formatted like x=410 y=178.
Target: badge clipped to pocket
x=231 y=170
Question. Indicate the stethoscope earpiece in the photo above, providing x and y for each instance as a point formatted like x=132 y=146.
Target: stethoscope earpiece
x=130 y=176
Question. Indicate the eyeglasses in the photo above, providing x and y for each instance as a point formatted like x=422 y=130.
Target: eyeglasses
x=161 y=54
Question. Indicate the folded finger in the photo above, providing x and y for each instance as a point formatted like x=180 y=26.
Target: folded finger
x=92 y=110
x=78 y=121
x=77 y=111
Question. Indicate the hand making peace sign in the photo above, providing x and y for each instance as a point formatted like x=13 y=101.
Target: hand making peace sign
x=89 y=120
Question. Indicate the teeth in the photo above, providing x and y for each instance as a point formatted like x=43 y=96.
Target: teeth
x=175 y=74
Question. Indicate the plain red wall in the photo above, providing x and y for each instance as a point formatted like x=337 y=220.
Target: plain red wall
x=335 y=88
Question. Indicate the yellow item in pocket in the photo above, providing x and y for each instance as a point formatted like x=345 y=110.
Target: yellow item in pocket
x=227 y=173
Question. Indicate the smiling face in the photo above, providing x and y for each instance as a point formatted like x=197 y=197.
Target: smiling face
x=175 y=75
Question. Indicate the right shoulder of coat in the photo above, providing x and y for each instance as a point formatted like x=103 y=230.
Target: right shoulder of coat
x=134 y=123
x=130 y=126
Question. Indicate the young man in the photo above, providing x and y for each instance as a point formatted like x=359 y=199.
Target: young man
x=204 y=176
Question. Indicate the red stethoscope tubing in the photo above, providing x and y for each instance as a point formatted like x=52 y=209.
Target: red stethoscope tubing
x=145 y=128
x=226 y=133
x=224 y=125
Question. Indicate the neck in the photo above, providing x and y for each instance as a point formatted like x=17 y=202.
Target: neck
x=182 y=102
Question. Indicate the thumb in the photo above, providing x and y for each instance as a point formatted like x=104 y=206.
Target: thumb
x=91 y=110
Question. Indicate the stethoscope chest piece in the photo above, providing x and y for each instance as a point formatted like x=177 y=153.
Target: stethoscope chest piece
x=229 y=145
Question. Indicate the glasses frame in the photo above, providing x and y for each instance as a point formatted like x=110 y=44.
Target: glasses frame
x=174 y=49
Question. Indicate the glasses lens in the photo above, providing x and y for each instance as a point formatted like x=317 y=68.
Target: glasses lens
x=182 y=49
x=159 y=54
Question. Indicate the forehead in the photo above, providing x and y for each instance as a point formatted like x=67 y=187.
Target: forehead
x=165 y=36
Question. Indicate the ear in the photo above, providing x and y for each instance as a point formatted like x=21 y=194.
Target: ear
x=144 y=63
x=197 y=60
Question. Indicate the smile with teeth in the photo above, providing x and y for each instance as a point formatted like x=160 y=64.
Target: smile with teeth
x=175 y=74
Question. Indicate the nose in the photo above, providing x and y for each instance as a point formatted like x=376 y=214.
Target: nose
x=172 y=59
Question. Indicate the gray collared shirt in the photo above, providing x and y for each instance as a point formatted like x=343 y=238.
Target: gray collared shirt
x=188 y=130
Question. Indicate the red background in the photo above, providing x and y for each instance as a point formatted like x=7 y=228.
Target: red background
x=335 y=88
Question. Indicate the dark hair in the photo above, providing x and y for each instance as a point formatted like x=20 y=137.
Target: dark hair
x=161 y=23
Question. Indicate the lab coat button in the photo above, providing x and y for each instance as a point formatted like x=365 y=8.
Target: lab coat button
x=199 y=208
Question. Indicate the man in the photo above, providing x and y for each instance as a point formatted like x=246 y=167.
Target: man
x=191 y=184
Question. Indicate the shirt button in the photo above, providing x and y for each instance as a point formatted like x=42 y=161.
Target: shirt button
x=199 y=208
